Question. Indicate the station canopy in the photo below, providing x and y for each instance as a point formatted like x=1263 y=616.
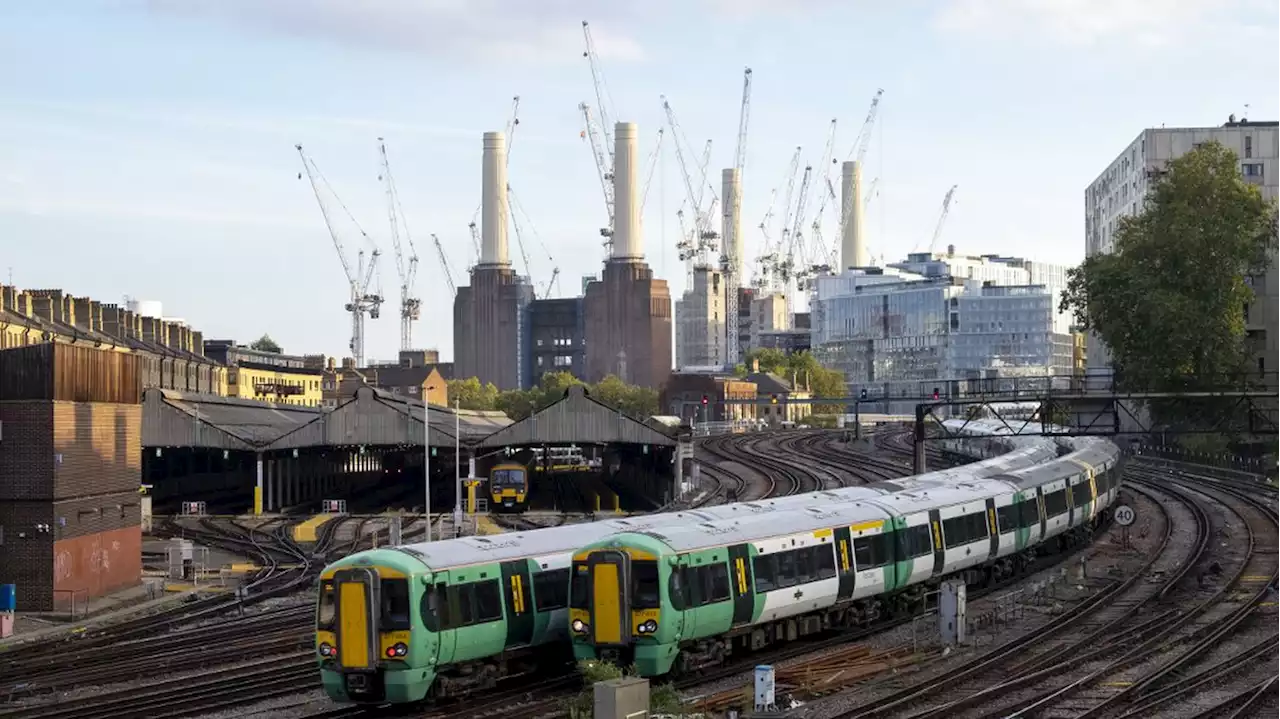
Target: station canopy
x=577 y=418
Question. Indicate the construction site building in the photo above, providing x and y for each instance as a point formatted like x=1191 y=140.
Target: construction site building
x=700 y=321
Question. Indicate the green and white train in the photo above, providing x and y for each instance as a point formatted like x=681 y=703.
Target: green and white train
x=689 y=596
x=445 y=618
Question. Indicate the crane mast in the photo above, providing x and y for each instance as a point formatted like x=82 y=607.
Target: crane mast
x=734 y=205
x=444 y=264
x=942 y=218
x=602 y=137
x=362 y=301
x=407 y=269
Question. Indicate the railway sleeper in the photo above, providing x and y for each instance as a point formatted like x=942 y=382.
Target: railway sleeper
x=864 y=613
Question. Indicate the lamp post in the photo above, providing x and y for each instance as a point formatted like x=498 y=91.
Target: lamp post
x=426 y=455
x=457 y=469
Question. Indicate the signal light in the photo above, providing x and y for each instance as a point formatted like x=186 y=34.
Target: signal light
x=862 y=394
x=705 y=399
x=773 y=399
x=935 y=392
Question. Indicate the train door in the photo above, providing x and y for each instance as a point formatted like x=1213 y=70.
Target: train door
x=744 y=595
x=356 y=596
x=519 y=601
x=610 y=600
x=993 y=527
x=939 y=549
x=844 y=564
x=442 y=621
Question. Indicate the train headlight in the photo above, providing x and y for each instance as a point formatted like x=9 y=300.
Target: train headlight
x=400 y=649
x=325 y=649
x=648 y=627
x=579 y=626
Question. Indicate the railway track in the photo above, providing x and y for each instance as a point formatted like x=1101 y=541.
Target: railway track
x=1134 y=648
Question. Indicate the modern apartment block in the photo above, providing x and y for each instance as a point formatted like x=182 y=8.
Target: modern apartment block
x=1122 y=187
x=700 y=321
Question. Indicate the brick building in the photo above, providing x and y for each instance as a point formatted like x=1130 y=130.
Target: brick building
x=70 y=459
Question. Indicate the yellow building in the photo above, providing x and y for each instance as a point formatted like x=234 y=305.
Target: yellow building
x=267 y=376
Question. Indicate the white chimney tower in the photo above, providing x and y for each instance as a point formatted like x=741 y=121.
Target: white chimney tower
x=628 y=243
x=853 y=236
x=493 y=200
x=734 y=243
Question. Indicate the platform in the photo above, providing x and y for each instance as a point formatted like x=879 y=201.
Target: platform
x=485 y=525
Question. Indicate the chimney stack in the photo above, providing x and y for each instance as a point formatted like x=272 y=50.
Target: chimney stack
x=493 y=198
x=853 y=239
x=731 y=230
x=628 y=244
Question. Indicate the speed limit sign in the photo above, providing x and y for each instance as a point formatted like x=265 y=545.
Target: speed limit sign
x=1125 y=515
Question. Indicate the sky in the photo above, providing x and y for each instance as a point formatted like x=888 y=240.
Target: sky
x=149 y=144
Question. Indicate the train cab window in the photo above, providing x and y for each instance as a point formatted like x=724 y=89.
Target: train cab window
x=766 y=573
x=1055 y=503
x=1007 y=518
x=678 y=589
x=551 y=590
x=327 y=607
x=488 y=601
x=824 y=561
x=644 y=585
x=870 y=552
x=394 y=613
x=1028 y=513
x=430 y=607
x=580 y=586
x=459 y=612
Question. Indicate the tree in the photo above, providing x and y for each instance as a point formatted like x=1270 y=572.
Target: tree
x=265 y=344
x=1170 y=301
x=470 y=394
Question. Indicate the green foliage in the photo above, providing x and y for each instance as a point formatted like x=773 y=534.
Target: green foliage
x=801 y=365
x=663 y=699
x=1169 y=302
x=265 y=344
x=638 y=402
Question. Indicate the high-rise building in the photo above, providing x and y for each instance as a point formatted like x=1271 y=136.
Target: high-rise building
x=700 y=321
x=1122 y=188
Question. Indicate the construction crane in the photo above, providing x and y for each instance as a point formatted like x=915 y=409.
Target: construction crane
x=601 y=137
x=444 y=264
x=826 y=192
x=770 y=259
x=653 y=165
x=731 y=259
x=704 y=234
x=512 y=124
x=410 y=306
x=362 y=301
x=942 y=218
x=516 y=210
x=858 y=153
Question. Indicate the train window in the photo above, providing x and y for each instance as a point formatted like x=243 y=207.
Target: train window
x=430 y=608
x=325 y=612
x=644 y=585
x=1028 y=513
x=718 y=576
x=1007 y=518
x=870 y=552
x=395 y=605
x=457 y=610
x=488 y=601
x=805 y=568
x=1055 y=503
x=551 y=590
x=964 y=529
x=917 y=542
x=694 y=596
x=1080 y=494
x=825 y=561
x=580 y=587
x=677 y=587
x=786 y=569
x=766 y=571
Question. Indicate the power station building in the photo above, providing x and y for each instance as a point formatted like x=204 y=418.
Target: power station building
x=489 y=316
x=627 y=311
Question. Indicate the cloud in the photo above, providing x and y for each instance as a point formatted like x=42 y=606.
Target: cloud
x=493 y=30
x=1086 y=22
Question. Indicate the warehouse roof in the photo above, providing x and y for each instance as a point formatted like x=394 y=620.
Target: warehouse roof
x=577 y=418
x=183 y=419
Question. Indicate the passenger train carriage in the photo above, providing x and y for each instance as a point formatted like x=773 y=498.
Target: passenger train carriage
x=448 y=617
x=687 y=596
x=508 y=487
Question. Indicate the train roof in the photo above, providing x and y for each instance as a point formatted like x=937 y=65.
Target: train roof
x=938 y=497
x=705 y=535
